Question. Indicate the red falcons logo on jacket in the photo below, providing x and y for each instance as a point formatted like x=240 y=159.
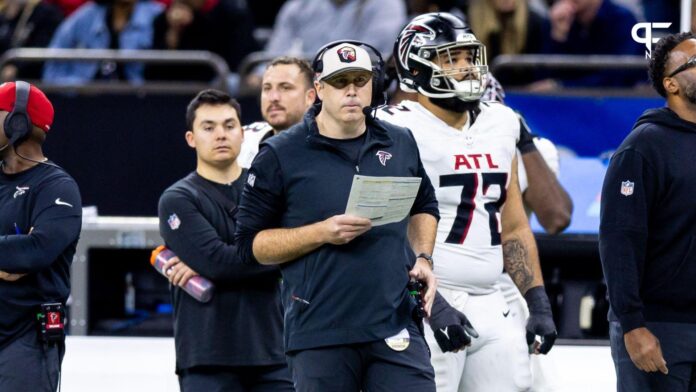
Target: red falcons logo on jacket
x=413 y=33
x=383 y=157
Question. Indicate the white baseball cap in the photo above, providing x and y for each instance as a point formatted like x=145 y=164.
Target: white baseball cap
x=343 y=58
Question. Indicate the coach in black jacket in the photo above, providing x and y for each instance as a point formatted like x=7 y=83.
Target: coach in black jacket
x=648 y=232
x=345 y=282
x=234 y=342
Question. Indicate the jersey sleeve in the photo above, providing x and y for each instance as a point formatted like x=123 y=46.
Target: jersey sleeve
x=56 y=221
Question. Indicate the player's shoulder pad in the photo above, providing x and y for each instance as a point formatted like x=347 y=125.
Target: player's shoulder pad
x=259 y=126
x=499 y=110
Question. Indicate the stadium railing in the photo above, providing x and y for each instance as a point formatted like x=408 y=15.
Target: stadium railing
x=167 y=57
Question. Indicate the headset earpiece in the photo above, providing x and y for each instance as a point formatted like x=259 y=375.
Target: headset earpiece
x=17 y=124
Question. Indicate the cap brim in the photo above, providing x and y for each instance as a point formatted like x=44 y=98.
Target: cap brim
x=343 y=70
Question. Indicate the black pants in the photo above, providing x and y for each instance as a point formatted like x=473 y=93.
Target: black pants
x=367 y=367
x=236 y=379
x=28 y=365
x=678 y=344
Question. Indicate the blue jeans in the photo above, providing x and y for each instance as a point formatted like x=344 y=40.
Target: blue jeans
x=678 y=343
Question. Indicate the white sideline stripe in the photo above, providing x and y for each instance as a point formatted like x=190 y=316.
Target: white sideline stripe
x=117 y=364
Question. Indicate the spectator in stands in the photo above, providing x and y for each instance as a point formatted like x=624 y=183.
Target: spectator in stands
x=67 y=7
x=303 y=26
x=417 y=7
x=647 y=234
x=224 y=29
x=26 y=24
x=585 y=27
x=108 y=24
x=508 y=27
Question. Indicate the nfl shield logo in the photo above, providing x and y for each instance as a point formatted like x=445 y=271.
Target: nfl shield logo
x=174 y=222
x=627 y=188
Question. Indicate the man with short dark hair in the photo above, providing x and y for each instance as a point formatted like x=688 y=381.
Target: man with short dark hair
x=647 y=236
x=40 y=222
x=348 y=320
x=240 y=347
x=287 y=91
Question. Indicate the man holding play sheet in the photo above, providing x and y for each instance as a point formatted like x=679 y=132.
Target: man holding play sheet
x=348 y=314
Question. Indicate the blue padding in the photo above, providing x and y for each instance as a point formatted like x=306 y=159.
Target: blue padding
x=582 y=178
x=589 y=126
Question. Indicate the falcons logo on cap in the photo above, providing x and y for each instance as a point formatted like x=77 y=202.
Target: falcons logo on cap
x=410 y=33
x=346 y=54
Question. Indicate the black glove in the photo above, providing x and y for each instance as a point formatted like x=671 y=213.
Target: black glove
x=451 y=328
x=540 y=322
x=526 y=142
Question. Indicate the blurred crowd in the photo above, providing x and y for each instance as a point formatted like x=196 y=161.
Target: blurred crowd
x=236 y=29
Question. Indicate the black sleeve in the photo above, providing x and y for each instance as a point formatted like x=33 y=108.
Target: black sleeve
x=627 y=194
x=261 y=204
x=56 y=221
x=196 y=242
x=425 y=202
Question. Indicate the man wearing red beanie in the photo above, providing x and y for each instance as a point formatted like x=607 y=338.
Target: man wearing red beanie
x=40 y=221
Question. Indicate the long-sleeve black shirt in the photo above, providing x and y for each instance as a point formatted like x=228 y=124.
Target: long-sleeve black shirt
x=648 y=223
x=242 y=324
x=40 y=222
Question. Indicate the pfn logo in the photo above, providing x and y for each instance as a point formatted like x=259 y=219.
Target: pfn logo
x=647 y=39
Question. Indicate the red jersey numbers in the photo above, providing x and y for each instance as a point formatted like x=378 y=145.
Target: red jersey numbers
x=465 y=210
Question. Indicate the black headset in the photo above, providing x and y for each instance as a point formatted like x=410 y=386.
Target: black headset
x=17 y=124
x=379 y=95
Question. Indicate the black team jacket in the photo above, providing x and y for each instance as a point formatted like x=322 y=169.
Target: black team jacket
x=337 y=294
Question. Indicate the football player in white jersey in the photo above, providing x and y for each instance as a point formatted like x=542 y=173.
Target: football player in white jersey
x=287 y=91
x=468 y=148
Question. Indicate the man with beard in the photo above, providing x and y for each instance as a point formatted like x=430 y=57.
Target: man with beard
x=647 y=237
x=287 y=92
x=468 y=148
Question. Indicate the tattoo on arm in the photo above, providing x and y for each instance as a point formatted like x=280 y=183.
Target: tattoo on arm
x=515 y=259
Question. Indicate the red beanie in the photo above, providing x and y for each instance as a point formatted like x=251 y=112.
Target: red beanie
x=39 y=108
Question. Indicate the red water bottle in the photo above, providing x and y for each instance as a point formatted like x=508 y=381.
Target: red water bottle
x=198 y=287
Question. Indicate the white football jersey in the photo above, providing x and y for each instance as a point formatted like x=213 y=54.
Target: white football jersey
x=254 y=133
x=470 y=171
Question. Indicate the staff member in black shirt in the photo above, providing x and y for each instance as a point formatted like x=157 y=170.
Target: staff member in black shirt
x=647 y=238
x=40 y=221
x=232 y=343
